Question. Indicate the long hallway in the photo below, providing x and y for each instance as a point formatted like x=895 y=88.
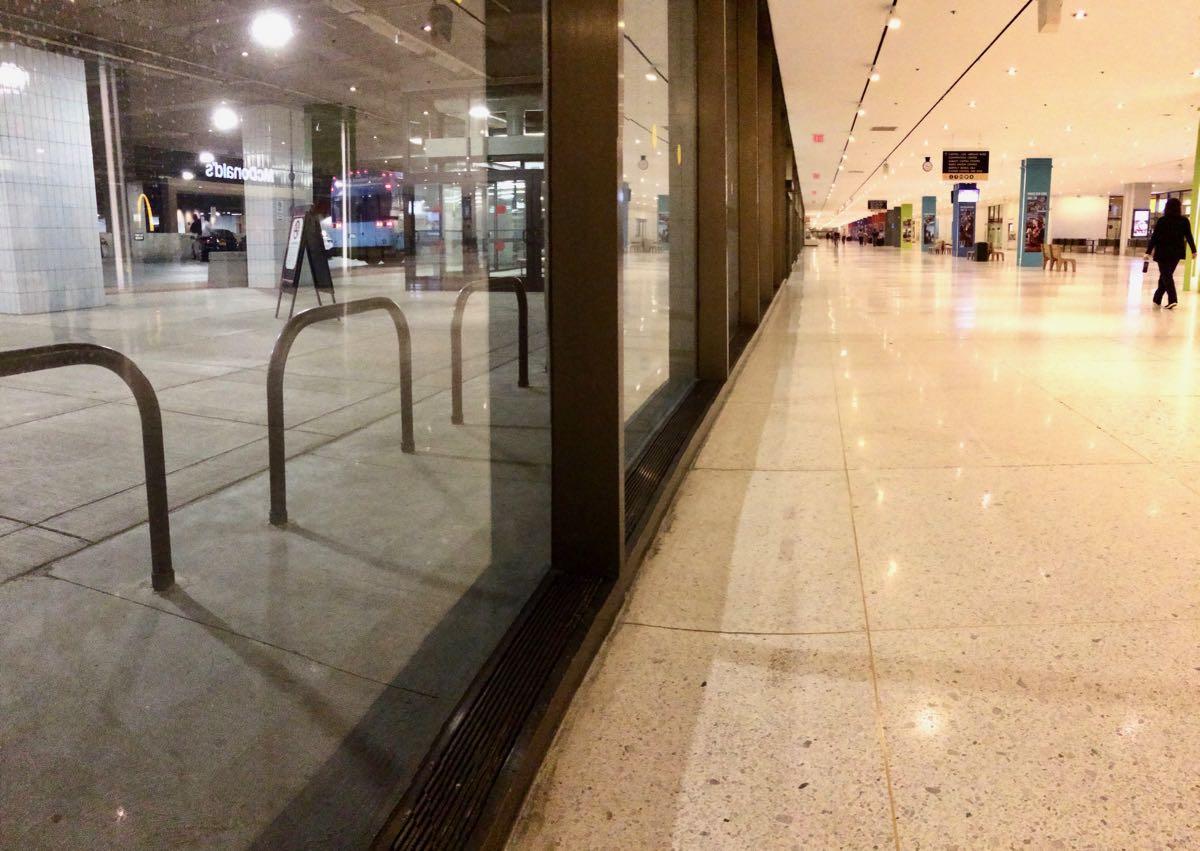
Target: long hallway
x=930 y=584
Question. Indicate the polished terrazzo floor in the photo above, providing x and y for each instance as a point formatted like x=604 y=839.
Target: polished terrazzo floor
x=932 y=582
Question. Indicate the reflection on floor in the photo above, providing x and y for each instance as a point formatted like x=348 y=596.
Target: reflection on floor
x=290 y=683
x=932 y=583
x=645 y=306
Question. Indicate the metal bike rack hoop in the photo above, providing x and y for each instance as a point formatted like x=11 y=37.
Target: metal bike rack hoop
x=279 y=354
x=21 y=361
x=494 y=285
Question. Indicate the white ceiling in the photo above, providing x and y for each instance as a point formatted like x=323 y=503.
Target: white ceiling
x=1111 y=98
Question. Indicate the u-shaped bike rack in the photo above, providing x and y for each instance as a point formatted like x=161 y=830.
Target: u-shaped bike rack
x=21 y=361
x=279 y=354
x=494 y=285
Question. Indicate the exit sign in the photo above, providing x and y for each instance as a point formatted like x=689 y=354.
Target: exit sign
x=818 y=138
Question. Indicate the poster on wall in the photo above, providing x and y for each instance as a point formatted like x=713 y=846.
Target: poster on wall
x=966 y=225
x=930 y=228
x=908 y=231
x=1037 y=205
x=1012 y=231
x=1141 y=224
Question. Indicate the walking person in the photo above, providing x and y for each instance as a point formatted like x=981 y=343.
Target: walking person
x=1171 y=233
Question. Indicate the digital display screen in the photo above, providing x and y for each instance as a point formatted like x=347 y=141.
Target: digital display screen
x=968 y=196
x=1141 y=224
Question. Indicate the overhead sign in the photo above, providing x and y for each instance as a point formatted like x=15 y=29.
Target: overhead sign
x=965 y=165
x=218 y=170
x=877 y=205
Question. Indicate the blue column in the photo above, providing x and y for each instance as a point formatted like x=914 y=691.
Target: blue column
x=1035 y=210
x=929 y=228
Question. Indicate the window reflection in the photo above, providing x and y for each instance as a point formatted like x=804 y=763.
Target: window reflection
x=656 y=211
x=152 y=159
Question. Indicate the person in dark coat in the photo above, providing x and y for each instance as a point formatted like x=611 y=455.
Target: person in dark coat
x=1171 y=233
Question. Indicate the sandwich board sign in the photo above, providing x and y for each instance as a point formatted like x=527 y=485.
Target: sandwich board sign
x=304 y=240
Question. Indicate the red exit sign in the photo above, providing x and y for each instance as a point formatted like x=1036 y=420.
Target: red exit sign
x=818 y=138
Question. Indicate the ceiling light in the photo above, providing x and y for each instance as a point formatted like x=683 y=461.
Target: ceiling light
x=852 y=139
x=1120 y=106
x=13 y=78
x=187 y=175
x=620 y=25
x=971 y=104
x=427 y=28
x=271 y=29
x=478 y=111
x=874 y=76
x=1012 y=71
x=1196 y=73
x=651 y=76
x=861 y=112
x=1080 y=14
x=245 y=53
x=945 y=126
x=205 y=157
x=354 y=88
x=224 y=119
x=416 y=140
x=893 y=23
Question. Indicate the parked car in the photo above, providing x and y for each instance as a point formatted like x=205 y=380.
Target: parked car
x=218 y=240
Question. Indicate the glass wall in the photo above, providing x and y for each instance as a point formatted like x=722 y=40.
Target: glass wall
x=657 y=211
x=153 y=158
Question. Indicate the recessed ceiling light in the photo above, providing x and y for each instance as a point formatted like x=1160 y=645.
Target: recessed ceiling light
x=945 y=126
x=1196 y=73
x=851 y=138
x=271 y=28
x=245 y=53
x=427 y=28
x=224 y=119
x=478 y=111
x=1012 y=70
x=874 y=76
x=354 y=88
x=971 y=104
x=1120 y=106
x=416 y=140
x=1080 y=14
x=861 y=112
x=893 y=23
x=651 y=76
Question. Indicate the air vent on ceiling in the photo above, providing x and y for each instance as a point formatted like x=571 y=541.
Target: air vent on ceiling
x=883 y=129
x=859 y=171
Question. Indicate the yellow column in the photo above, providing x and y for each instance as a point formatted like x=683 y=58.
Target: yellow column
x=1189 y=268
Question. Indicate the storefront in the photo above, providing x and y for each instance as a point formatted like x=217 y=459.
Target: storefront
x=578 y=245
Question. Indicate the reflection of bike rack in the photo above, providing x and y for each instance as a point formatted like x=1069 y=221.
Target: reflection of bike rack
x=493 y=285
x=20 y=361
x=283 y=345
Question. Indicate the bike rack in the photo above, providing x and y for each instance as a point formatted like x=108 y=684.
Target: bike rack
x=494 y=285
x=279 y=354
x=39 y=358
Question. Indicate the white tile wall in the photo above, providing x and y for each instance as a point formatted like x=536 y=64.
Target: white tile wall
x=49 y=242
x=277 y=138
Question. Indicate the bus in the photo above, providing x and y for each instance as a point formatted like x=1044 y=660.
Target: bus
x=376 y=209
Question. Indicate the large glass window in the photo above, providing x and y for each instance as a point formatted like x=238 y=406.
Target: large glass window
x=153 y=158
x=657 y=211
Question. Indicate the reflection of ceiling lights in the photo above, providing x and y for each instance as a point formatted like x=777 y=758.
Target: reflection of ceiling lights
x=271 y=29
x=188 y=175
x=651 y=76
x=225 y=119
x=416 y=140
x=478 y=111
x=206 y=157
x=13 y=78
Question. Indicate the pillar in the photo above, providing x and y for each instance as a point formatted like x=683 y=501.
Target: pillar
x=1190 y=268
x=1034 y=229
x=908 y=228
x=892 y=228
x=1136 y=196
x=49 y=241
x=929 y=230
x=277 y=158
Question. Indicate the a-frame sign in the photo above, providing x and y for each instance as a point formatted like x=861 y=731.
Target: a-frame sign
x=304 y=240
